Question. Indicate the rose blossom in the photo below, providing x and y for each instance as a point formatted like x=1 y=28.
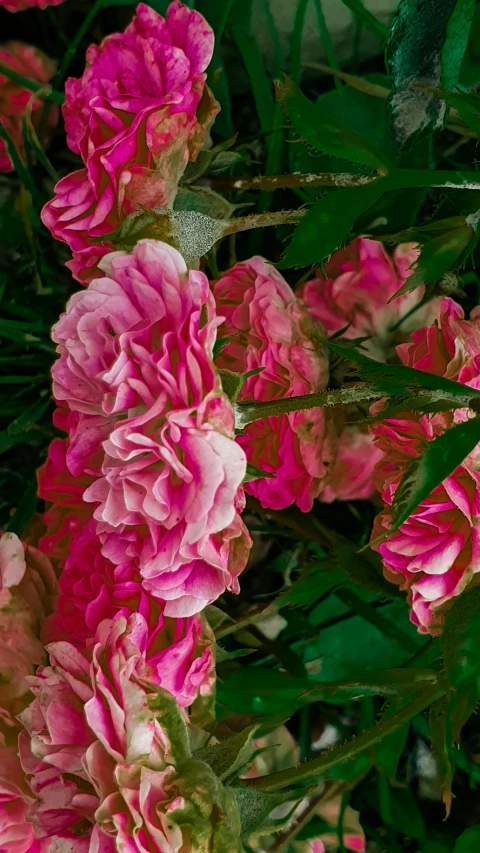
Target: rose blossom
x=92 y=589
x=21 y=5
x=138 y=114
x=27 y=588
x=353 y=298
x=436 y=552
x=166 y=810
x=271 y=330
x=66 y=511
x=136 y=367
x=16 y=833
x=103 y=693
x=14 y=98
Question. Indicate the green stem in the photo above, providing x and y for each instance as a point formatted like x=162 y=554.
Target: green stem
x=397 y=179
x=327 y=41
x=262 y=220
x=75 y=43
x=311 y=770
x=269 y=183
x=47 y=93
x=249 y=411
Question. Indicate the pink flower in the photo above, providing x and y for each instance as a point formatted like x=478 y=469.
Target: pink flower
x=27 y=589
x=436 y=552
x=66 y=510
x=16 y=832
x=21 y=5
x=166 y=810
x=272 y=330
x=354 y=299
x=54 y=743
x=138 y=114
x=360 y=281
x=14 y=98
x=92 y=589
x=352 y=473
x=136 y=366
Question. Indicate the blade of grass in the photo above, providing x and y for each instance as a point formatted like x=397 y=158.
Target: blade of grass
x=277 y=47
x=327 y=41
x=24 y=510
x=295 y=56
x=370 y=21
x=48 y=94
x=76 y=42
x=262 y=89
x=20 y=168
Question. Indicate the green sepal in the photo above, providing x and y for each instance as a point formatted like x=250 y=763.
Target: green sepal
x=229 y=756
x=254 y=808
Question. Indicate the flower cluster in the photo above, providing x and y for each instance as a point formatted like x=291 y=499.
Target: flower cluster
x=436 y=552
x=275 y=340
x=352 y=298
x=138 y=114
x=150 y=424
x=30 y=62
x=107 y=753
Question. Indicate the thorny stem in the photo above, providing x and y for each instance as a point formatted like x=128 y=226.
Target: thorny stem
x=314 y=768
x=249 y=411
x=329 y=792
x=274 y=182
x=396 y=179
x=247 y=620
x=262 y=220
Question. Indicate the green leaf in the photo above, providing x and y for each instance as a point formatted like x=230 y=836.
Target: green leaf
x=469 y=841
x=387 y=752
x=254 y=473
x=425 y=47
x=460 y=642
x=399 y=379
x=312 y=585
x=443 y=253
x=468 y=106
x=204 y=200
x=317 y=127
x=351 y=645
x=261 y=691
x=441 y=458
x=30 y=416
x=369 y=21
x=328 y=224
x=442 y=740
x=295 y=53
x=406 y=816
x=231 y=755
x=24 y=510
x=255 y=806
x=241 y=29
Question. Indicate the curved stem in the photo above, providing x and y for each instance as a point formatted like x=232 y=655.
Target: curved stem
x=249 y=411
x=263 y=220
x=311 y=770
